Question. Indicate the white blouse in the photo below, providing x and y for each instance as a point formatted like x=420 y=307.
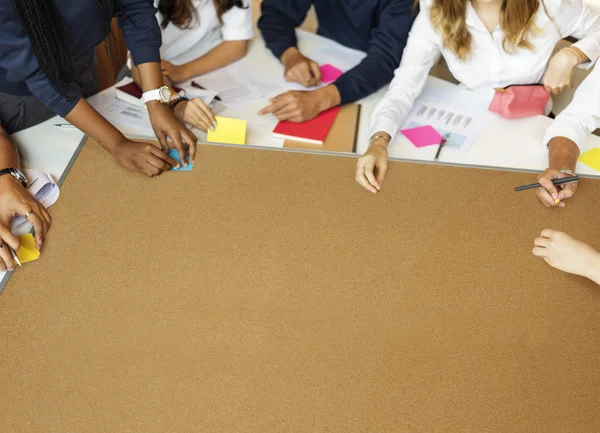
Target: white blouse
x=207 y=31
x=488 y=66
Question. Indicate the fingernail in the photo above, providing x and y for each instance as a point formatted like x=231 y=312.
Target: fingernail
x=561 y=205
x=214 y=123
x=212 y=128
x=554 y=196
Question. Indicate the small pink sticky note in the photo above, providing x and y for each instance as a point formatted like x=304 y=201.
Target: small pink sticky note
x=330 y=73
x=422 y=136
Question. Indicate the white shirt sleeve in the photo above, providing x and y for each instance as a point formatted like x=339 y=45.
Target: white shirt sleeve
x=576 y=19
x=582 y=115
x=422 y=49
x=237 y=24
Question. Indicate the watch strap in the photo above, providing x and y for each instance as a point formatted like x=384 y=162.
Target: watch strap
x=16 y=174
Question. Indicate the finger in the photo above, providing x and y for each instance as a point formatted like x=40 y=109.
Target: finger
x=381 y=171
x=36 y=221
x=369 y=169
x=172 y=162
x=540 y=252
x=316 y=71
x=6 y=256
x=542 y=242
x=192 y=143
x=202 y=117
x=208 y=112
x=568 y=191
x=159 y=163
x=547 y=88
x=547 y=233
x=178 y=144
x=162 y=140
x=198 y=122
x=292 y=116
x=302 y=74
x=362 y=179
x=275 y=106
x=8 y=237
x=545 y=197
x=547 y=184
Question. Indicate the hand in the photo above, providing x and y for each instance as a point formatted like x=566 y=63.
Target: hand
x=175 y=73
x=553 y=195
x=165 y=124
x=559 y=73
x=16 y=200
x=295 y=106
x=567 y=254
x=144 y=157
x=300 y=69
x=372 y=166
x=197 y=113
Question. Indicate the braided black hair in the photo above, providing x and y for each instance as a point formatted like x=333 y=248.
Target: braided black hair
x=182 y=13
x=51 y=39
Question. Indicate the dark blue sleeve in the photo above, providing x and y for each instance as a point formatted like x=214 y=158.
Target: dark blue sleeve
x=385 y=49
x=137 y=19
x=278 y=23
x=21 y=65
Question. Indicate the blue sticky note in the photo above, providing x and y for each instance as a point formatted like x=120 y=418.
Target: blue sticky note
x=174 y=153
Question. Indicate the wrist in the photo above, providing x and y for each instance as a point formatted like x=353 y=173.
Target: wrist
x=288 y=54
x=563 y=153
x=593 y=269
x=571 y=57
x=7 y=181
x=328 y=97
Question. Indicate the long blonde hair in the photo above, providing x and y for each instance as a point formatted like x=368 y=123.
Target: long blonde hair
x=517 y=20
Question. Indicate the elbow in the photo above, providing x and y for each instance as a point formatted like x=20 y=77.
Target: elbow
x=238 y=49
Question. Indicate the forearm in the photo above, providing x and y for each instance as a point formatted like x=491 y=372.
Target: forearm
x=150 y=76
x=9 y=157
x=222 y=55
x=593 y=272
x=563 y=153
x=328 y=97
x=88 y=120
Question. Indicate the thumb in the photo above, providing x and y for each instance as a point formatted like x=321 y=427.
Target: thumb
x=316 y=71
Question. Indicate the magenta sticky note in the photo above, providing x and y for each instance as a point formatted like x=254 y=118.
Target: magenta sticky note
x=422 y=136
x=330 y=73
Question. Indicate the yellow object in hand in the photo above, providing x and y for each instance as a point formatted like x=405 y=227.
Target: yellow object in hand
x=28 y=252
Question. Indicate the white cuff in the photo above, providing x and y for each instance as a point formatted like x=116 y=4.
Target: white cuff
x=384 y=125
x=591 y=48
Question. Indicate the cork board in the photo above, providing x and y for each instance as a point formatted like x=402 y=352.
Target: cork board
x=266 y=292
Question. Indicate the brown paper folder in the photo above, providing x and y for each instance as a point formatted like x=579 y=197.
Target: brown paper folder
x=342 y=136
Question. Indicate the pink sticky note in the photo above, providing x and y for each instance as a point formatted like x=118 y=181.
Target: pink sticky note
x=422 y=136
x=330 y=73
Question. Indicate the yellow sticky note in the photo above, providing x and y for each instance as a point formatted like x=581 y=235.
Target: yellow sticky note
x=230 y=131
x=591 y=158
x=27 y=252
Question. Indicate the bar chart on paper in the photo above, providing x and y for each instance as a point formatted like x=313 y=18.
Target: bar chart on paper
x=457 y=113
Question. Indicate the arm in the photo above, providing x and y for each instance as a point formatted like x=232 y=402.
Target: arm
x=422 y=49
x=278 y=23
x=383 y=55
x=419 y=56
x=578 y=20
x=566 y=136
x=15 y=200
x=222 y=55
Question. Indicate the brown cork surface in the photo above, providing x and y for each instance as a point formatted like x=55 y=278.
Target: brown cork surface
x=265 y=292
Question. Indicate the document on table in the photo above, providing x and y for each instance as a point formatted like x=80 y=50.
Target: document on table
x=460 y=114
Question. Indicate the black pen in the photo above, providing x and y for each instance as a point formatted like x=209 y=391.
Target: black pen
x=442 y=143
x=554 y=181
x=198 y=86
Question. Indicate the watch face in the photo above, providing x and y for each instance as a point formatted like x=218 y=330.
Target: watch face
x=165 y=94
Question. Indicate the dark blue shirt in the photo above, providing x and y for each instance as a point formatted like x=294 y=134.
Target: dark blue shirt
x=378 y=27
x=19 y=68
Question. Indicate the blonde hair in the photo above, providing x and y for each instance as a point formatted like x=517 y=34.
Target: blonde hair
x=517 y=20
